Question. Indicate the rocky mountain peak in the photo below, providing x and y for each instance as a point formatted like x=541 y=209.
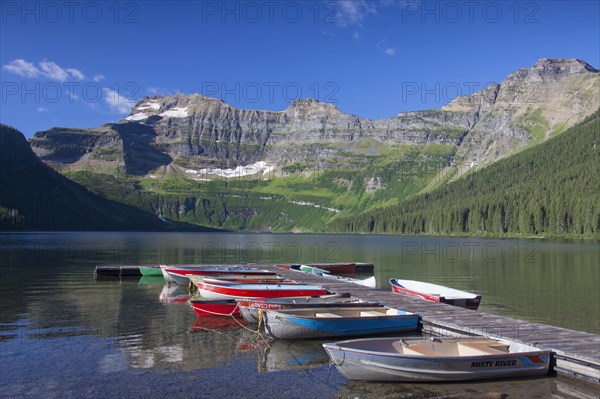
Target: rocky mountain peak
x=563 y=65
x=312 y=106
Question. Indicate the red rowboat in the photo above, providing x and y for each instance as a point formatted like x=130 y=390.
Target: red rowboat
x=436 y=293
x=216 y=308
x=228 y=280
x=213 y=291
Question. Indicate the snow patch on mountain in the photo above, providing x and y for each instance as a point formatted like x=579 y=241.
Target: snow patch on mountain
x=152 y=105
x=240 y=171
x=306 y=203
x=177 y=112
x=137 y=117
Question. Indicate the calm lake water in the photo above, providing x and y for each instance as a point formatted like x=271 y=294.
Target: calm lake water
x=65 y=334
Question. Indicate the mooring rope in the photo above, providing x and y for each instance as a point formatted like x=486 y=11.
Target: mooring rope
x=231 y=314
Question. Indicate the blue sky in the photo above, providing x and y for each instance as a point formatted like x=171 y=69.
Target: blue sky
x=83 y=65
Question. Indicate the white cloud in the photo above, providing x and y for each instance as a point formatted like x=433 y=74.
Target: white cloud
x=53 y=71
x=353 y=12
x=22 y=68
x=117 y=103
x=42 y=109
x=98 y=78
x=356 y=35
x=45 y=68
x=385 y=48
x=76 y=73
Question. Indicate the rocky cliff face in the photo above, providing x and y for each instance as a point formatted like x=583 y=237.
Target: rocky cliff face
x=191 y=132
x=527 y=107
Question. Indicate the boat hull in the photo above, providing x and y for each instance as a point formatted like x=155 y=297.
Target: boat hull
x=282 y=325
x=238 y=291
x=177 y=275
x=250 y=309
x=370 y=282
x=336 y=268
x=150 y=271
x=175 y=278
x=218 y=270
x=215 y=308
x=467 y=302
x=375 y=366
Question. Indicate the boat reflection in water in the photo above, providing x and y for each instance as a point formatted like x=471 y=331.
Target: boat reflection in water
x=284 y=355
x=173 y=294
x=151 y=280
x=216 y=323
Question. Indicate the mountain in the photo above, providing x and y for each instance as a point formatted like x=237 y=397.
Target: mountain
x=197 y=159
x=550 y=189
x=35 y=197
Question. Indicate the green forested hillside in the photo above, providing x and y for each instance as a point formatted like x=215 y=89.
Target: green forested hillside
x=35 y=197
x=550 y=189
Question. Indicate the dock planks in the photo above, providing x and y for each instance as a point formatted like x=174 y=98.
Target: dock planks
x=577 y=354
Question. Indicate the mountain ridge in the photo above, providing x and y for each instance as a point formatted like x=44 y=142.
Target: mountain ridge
x=201 y=160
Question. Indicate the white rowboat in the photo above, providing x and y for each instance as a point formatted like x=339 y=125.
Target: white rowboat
x=421 y=359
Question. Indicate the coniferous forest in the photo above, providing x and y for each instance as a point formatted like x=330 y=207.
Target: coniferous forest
x=552 y=189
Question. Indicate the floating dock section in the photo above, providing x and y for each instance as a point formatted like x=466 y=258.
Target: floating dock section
x=134 y=270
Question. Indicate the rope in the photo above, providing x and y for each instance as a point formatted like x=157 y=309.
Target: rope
x=328 y=378
x=257 y=331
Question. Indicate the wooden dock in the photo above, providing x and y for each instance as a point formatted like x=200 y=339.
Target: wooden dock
x=576 y=354
x=117 y=271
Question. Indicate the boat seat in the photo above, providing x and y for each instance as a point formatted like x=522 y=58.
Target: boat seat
x=420 y=350
x=326 y=315
x=478 y=348
x=370 y=313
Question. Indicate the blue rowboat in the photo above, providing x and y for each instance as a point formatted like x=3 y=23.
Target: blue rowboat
x=337 y=322
x=446 y=359
x=250 y=308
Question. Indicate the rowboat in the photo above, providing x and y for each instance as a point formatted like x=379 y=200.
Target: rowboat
x=369 y=282
x=175 y=278
x=244 y=280
x=447 y=359
x=173 y=274
x=337 y=322
x=177 y=275
x=150 y=271
x=237 y=278
x=249 y=308
x=436 y=293
x=336 y=268
x=239 y=290
x=216 y=308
